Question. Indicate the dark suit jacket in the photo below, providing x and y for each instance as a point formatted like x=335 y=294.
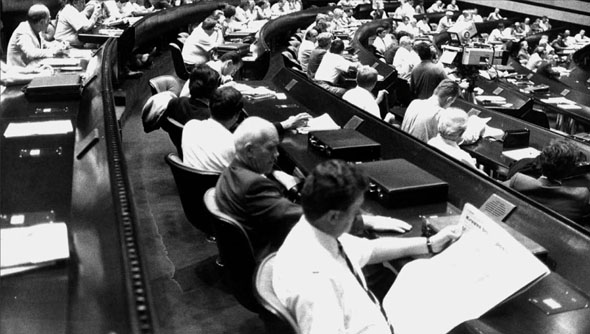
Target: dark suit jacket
x=259 y=204
x=572 y=202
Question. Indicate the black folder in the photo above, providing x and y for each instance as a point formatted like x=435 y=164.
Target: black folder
x=55 y=87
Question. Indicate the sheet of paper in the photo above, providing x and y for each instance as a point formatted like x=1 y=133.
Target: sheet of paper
x=482 y=269
x=521 y=153
x=25 y=129
x=27 y=246
x=322 y=122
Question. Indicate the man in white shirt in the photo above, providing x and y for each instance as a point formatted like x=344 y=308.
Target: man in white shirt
x=197 y=47
x=317 y=270
x=208 y=145
x=70 y=22
x=361 y=96
x=451 y=126
x=445 y=22
x=26 y=44
x=405 y=58
x=421 y=117
x=581 y=37
x=306 y=47
x=333 y=64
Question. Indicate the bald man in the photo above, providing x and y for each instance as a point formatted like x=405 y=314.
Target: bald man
x=26 y=43
x=247 y=193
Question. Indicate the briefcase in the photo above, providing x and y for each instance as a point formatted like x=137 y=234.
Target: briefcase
x=55 y=87
x=240 y=48
x=398 y=183
x=344 y=144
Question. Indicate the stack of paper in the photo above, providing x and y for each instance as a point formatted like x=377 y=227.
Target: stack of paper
x=521 y=153
x=490 y=100
x=320 y=123
x=24 y=129
x=26 y=248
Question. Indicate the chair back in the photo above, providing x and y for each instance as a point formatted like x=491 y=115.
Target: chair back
x=236 y=253
x=192 y=184
x=290 y=62
x=178 y=62
x=164 y=83
x=284 y=322
x=174 y=130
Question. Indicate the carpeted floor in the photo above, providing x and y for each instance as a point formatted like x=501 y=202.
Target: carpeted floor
x=188 y=295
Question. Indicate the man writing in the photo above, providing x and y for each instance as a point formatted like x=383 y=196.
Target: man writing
x=316 y=271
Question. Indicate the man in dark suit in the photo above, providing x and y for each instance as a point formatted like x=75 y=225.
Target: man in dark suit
x=246 y=193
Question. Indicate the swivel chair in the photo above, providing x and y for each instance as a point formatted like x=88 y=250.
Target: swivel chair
x=279 y=319
x=178 y=62
x=192 y=184
x=164 y=83
x=236 y=253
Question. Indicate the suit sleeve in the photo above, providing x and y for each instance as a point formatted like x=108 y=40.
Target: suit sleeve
x=30 y=49
x=268 y=205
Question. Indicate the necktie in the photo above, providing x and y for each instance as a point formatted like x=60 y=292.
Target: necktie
x=360 y=281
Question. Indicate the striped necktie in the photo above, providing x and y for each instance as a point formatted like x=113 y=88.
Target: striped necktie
x=360 y=281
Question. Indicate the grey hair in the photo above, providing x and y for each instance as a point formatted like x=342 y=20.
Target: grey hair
x=252 y=130
x=452 y=122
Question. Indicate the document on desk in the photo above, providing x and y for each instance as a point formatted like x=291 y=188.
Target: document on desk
x=321 y=123
x=25 y=248
x=25 y=129
x=483 y=268
x=522 y=153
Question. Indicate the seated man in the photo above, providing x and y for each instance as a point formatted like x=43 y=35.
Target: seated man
x=316 y=273
x=70 y=22
x=445 y=22
x=251 y=194
x=405 y=58
x=421 y=117
x=558 y=160
x=208 y=145
x=495 y=15
x=197 y=47
x=306 y=47
x=203 y=81
x=581 y=37
x=26 y=44
x=523 y=55
x=332 y=66
x=317 y=54
x=361 y=96
x=452 y=123
x=227 y=65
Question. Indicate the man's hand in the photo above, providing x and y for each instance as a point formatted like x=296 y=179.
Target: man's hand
x=445 y=237
x=381 y=95
x=296 y=121
x=384 y=224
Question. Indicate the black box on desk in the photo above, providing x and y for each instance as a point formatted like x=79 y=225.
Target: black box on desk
x=240 y=48
x=397 y=183
x=55 y=87
x=37 y=172
x=345 y=144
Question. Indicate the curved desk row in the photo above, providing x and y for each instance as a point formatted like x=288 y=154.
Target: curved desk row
x=534 y=221
x=102 y=288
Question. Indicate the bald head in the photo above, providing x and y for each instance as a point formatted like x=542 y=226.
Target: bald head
x=256 y=141
x=37 y=13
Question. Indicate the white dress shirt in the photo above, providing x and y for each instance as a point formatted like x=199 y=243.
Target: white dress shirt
x=207 y=145
x=452 y=149
x=404 y=62
x=313 y=281
x=363 y=99
x=69 y=23
x=331 y=66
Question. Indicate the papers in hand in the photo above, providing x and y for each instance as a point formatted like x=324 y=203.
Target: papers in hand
x=24 y=248
x=320 y=123
x=490 y=99
x=480 y=270
x=24 y=129
x=521 y=153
